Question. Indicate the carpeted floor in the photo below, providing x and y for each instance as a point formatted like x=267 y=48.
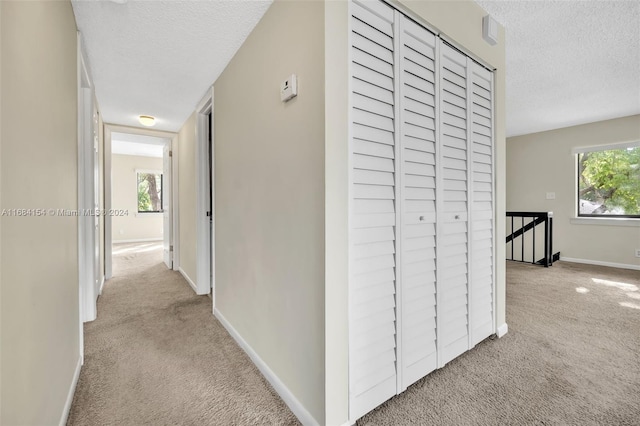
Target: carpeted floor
x=156 y=356
x=571 y=357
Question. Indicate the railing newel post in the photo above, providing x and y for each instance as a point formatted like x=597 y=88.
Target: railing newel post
x=536 y=219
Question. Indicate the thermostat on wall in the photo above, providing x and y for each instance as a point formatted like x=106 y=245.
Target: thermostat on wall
x=289 y=88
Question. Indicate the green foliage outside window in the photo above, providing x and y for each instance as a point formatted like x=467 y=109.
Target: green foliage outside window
x=149 y=192
x=609 y=182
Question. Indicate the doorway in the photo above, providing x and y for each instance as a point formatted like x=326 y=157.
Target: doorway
x=205 y=198
x=139 y=190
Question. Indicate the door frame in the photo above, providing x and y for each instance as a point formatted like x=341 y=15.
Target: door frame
x=108 y=225
x=205 y=240
x=87 y=243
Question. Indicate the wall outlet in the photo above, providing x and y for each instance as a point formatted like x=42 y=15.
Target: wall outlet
x=551 y=195
x=637 y=252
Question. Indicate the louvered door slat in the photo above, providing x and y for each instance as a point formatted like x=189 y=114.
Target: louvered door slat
x=372 y=91
x=372 y=300
x=372 y=105
x=373 y=149
x=482 y=206
x=453 y=241
x=372 y=177
x=418 y=160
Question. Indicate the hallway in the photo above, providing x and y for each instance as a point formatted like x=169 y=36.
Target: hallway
x=156 y=355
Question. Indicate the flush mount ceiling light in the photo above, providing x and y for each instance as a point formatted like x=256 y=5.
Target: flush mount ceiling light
x=147 y=120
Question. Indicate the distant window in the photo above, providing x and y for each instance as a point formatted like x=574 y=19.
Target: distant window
x=149 y=192
x=609 y=182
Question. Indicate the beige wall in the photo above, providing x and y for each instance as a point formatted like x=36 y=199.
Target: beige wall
x=460 y=21
x=124 y=196
x=269 y=197
x=543 y=162
x=187 y=196
x=39 y=264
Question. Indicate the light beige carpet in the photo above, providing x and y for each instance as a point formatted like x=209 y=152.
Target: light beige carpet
x=571 y=357
x=156 y=355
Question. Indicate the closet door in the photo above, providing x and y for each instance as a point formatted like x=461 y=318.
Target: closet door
x=453 y=236
x=482 y=219
x=372 y=288
x=418 y=202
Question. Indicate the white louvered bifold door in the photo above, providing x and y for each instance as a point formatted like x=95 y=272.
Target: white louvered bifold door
x=421 y=242
x=418 y=202
x=372 y=288
x=482 y=320
x=453 y=207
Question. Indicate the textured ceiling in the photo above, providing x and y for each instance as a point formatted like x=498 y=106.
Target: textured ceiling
x=159 y=57
x=569 y=62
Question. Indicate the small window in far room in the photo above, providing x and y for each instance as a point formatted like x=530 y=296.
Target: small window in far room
x=609 y=181
x=149 y=192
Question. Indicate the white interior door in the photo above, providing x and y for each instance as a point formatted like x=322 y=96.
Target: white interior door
x=86 y=206
x=453 y=235
x=372 y=298
x=167 y=248
x=421 y=204
x=482 y=205
x=418 y=201
x=96 y=202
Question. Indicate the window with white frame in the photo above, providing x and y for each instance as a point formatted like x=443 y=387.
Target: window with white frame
x=149 y=191
x=609 y=181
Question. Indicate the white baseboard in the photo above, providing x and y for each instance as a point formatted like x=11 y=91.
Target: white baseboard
x=502 y=330
x=296 y=407
x=186 y=277
x=72 y=391
x=599 y=263
x=140 y=240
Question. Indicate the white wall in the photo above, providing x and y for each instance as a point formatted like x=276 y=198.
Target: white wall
x=336 y=164
x=39 y=265
x=124 y=196
x=542 y=162
x=269 y=197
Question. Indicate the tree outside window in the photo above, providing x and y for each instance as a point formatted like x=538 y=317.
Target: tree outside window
x=609 y=182
x=149 y=192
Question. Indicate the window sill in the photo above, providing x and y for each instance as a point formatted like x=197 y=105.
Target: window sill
x=605 y=221
x=149 y=214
